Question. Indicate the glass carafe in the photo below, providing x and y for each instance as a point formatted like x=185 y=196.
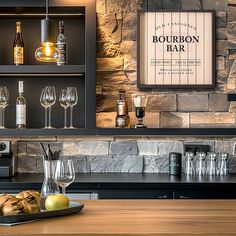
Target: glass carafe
x=49 y=186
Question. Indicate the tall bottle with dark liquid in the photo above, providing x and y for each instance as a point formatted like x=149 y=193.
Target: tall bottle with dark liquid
x=18 y=46
x=122 y=117
x=61 y=45
x=21 y=108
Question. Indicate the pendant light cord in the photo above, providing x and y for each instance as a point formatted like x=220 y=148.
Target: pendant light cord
x=47 y=9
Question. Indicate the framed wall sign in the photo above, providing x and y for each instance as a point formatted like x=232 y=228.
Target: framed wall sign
x=176 y=49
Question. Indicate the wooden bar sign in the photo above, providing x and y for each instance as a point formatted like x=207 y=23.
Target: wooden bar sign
x=176 y=49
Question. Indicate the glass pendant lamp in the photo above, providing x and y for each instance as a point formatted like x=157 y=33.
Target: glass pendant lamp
x=47 y=52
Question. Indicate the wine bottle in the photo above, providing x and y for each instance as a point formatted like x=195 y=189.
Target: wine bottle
x=61 y=45
x=18 y=46
x=21 y=108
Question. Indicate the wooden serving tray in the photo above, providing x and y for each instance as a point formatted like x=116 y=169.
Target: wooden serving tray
x=74 y=207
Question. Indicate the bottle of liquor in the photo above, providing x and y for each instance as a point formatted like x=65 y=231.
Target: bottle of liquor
x=122 y=117
x=21 y=108
x=18 y=46
x=61 y=45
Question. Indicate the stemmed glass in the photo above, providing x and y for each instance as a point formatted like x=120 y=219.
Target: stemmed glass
x=72 y=97
x=64 y=173
x=47 y=99
x=45 y=105
x=63 y=99
x=4 y=102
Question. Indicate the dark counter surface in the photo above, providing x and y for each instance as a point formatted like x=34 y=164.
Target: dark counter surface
x=121 y=180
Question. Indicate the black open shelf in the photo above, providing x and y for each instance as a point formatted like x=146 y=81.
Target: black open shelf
x=44 y=132
x=80 y=71
x=10 y=70
x=120 y=132
x=168 y=131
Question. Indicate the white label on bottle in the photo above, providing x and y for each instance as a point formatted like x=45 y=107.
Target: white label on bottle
x=20 y=114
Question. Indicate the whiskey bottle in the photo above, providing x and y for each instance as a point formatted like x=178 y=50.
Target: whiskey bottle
x=122 y=117
x=61 y=45
x=21 y=108
x=18 y=46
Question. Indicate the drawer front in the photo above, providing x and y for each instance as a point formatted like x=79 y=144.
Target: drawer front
x=204 y=195
x=135 y=194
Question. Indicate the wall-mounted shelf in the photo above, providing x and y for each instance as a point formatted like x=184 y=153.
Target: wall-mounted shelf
x=26 y=70
x=44 y=132
x=120 y=132
x=168 y=131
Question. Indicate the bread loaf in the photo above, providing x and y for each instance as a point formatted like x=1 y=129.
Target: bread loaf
x=32 y=197
x=25 y=202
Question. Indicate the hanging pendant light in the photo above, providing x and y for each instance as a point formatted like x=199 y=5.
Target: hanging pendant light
x=47 y=52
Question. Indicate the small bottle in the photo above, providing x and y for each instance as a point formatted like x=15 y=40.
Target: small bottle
x=61 y=45
x=21 y=108
x=18 y=46
x=122 y=117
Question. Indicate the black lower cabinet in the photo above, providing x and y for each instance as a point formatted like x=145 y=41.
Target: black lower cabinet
x=204 y=195
x=135 y=194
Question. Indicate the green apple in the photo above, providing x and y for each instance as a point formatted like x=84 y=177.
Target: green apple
x=56 y=202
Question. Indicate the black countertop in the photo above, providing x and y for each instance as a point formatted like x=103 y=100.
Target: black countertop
x=95 y=181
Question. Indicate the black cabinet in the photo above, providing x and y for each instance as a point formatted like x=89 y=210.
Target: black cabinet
x=135 y=194
x=132 y=186
x=80 y=71
x=204 y=194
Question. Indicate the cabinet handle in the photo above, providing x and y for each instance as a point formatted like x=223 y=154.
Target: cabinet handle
x=183 y=197
x=162 y=197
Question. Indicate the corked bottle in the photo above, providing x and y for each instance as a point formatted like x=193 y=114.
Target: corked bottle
x=122 y=117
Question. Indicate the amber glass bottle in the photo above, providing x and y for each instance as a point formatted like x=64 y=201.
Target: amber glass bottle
x=122 y=116
x=18 y=46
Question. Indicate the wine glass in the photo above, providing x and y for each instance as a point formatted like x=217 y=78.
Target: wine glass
x=50 y=99
x=64 y=174
x=64 y=103
x=72 y=97
x=4 y=102
x=140 y=103
x=45 y=105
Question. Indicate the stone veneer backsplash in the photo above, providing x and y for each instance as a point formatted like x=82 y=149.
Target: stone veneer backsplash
x=117 y=66
x=117 y=154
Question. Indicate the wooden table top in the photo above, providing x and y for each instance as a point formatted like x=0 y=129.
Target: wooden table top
x=139 y=217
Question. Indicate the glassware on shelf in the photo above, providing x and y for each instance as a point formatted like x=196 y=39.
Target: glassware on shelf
x=47 y=99
x=201 y=164
x=189 y=163
x=72 y=97
x=212 y=164
x=4 y=102
x=63 y=99
x=64 y=173
x=223 y=166
x=140 y=103
x=49 y=185
x=45 y=105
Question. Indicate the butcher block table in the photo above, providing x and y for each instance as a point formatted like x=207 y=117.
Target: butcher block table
x=139 y=217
